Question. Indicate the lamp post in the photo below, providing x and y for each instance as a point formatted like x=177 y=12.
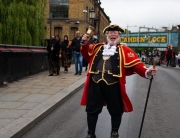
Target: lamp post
x=99 y=3
x=50 y=16
x=127 y=31
x=50 y=24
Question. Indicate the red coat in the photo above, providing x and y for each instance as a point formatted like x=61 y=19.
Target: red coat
x=129 y=64
x=172 y=55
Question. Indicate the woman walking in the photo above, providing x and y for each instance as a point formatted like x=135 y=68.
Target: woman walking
x=66 y=54
x=54 y=67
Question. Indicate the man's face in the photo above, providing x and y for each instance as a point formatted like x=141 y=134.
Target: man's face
x=65 y=38
x=113 y=37
x=77 y=34
x=57 y=38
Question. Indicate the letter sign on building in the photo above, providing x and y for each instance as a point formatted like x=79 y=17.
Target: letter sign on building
x=150 y=39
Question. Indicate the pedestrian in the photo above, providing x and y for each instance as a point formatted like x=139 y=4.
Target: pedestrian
x=75 y=46
x=66 y=53
x=51 y=67
x=54 y=59
x=178 y=58
x=109 y=64
x=169 y=55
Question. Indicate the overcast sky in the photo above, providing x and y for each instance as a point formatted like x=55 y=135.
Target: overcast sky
x=148 y=13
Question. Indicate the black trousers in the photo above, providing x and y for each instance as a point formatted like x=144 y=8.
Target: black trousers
x=168 y=59
x=100 y=93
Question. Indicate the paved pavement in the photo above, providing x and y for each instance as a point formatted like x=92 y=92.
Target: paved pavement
x=26 y=101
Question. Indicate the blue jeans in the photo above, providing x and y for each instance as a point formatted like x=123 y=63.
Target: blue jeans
x=78 y=59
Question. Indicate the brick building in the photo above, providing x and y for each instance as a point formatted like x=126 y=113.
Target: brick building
x=67 y=16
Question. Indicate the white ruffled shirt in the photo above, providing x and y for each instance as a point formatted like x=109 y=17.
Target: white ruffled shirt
x=109 y=50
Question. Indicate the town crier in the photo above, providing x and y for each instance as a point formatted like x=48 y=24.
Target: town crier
x=109 y=64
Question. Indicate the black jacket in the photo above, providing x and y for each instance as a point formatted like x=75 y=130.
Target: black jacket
x=75 y=46
x=55 y=51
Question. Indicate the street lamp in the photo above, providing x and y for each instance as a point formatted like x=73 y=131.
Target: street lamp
x=92 y=14
x=127 y=31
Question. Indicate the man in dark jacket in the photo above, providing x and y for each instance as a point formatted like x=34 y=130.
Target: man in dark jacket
x=169 y=55
x=77 y=55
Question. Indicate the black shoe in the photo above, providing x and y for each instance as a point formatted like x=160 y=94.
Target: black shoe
x=114 y=135
x=79 y=73
x=76 y=74
x=90 y=135
x=66 y=70
x=50 y=75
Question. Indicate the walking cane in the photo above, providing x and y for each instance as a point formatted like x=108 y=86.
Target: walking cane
x=154 y=64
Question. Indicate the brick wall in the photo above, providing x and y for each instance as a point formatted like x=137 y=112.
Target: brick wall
x=76 y=14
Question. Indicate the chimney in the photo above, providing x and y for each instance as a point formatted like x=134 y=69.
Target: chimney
x=164 y=28
x=174 y=28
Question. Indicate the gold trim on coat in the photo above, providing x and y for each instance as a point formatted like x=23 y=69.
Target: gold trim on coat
x=93 y=58
x=133 y=62
x=105 y=81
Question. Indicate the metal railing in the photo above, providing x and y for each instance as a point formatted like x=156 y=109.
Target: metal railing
x=20 y=61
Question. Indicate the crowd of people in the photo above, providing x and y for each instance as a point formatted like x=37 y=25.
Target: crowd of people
x=167 y=57
x=61 y=54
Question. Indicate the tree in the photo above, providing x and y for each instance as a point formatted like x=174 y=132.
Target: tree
x=22 y=22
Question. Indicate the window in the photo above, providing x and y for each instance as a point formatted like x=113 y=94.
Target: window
x=72 y=33
x=59 y=8
x=58 y=31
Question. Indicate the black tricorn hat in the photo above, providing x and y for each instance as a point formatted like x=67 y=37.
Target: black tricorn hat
x=114 y=27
